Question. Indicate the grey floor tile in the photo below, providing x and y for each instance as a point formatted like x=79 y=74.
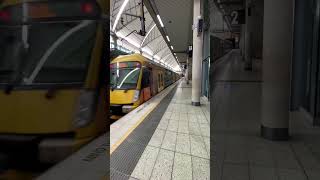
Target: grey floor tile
x=157 y=138
x=202 y=118
x=167 y=115
x=198 y=147
x=163 y=124
x=184 y=117
x=313 y=175
x=205 y=130
x=216 y=170
x=261 y=156
x=235 y=172
x=262 y=173
x=145 y=165
x=286 y=160
x=194 y=129
x=183 y=143
x=290 y=174
x=173 y=125
x=306 y=157
x=236 y=154
x=207 y=143
x=163 y=166
x=183 y=127
x=175 y=116
x=169 y=141
x=192 y=118
x=182 y=167
x=200 y=168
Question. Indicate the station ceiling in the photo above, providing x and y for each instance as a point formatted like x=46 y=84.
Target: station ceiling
x=126 y=25
x=177 y=19
x=169 y=40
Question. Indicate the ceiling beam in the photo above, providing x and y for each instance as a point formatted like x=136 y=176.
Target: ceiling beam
x=153 y=13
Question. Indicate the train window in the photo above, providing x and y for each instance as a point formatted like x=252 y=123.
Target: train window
x=56 y=53
x=145 y=78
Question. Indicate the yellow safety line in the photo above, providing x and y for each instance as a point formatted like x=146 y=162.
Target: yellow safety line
x=115 y=146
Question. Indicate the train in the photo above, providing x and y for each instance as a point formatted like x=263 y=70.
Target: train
x=52 y=78
x=134 y=79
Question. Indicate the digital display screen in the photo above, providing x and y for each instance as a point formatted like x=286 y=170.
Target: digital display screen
x=125 y=65
x=50 y=11
x=40 y=10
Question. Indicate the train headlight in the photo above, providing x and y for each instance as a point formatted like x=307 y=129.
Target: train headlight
x=136 y=96
x=126 y=109
x=85 y=108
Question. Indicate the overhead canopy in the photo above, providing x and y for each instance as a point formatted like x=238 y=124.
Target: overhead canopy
x=177 y=19
x=125 y=23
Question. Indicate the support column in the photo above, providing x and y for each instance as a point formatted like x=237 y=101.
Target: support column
x=197 y=55
x=187 y=70
x=277 y=50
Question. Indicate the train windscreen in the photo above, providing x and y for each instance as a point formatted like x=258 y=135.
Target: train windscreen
x=124 y=75
x=44 y=42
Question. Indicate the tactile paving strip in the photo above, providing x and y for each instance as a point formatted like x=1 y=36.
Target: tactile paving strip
x=125 y=158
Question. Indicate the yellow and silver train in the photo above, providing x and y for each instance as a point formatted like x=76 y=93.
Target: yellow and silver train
x=134 y=80
x=52 y=96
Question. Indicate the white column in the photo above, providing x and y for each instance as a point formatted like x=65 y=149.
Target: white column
x=187 y=70
x=196 y=56
x=277 y=54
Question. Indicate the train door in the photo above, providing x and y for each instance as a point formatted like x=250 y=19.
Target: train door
x=160 y=81
x=146 y=84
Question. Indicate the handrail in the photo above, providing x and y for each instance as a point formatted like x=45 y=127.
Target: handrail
x=206 y=58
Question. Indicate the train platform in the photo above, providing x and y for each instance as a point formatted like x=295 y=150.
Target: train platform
x=90 y=162
x=239 y=151
x=168 y=138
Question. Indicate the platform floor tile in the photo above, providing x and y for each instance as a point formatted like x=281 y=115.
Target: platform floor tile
x=183 y=139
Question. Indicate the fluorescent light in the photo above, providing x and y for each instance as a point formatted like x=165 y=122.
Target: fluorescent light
x=131 y=41
x=119 y=14
x=147 y=51
x=160 y=21
x=147 y=34
x=168 y=38
x=157 y=57
x=172 y=47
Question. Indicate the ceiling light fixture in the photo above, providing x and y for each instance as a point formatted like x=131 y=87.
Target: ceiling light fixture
x=160 y=21
x=119 y=14
x=168 y=38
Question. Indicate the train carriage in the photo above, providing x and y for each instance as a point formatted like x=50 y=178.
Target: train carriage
x=51 y=90
x=134 y=80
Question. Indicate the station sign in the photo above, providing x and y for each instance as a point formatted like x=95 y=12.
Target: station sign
x=238 y=17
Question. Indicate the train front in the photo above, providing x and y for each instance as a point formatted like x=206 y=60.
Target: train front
x=125 y=81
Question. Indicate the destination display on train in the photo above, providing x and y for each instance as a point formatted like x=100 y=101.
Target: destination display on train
x=52 y=10
x=125 y=65
x=62 y=9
